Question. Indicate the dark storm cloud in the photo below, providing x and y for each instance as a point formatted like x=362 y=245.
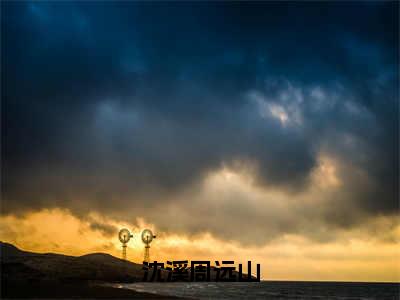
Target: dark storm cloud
x=106 y=229
x=119 y=106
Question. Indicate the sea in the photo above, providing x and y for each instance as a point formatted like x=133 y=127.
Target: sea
x=270 y=290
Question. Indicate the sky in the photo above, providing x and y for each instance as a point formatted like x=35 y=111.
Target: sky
x=263 y=131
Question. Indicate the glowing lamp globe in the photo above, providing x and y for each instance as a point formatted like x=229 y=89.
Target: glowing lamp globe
x=124 y=235
x=147 y=236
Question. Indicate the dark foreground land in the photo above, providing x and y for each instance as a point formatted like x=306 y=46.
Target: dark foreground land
x=58 y=290
x=100 y=276
x=48 y=275
x=33 y=275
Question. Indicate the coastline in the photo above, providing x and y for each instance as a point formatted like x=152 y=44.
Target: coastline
x=71 y=290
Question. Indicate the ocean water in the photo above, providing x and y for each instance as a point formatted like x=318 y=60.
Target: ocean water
x=271 y=290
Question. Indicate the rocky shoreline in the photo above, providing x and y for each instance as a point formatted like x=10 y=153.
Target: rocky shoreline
x=34 y=275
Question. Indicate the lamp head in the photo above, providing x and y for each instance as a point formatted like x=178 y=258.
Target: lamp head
x=124 y=235
x=147 y=236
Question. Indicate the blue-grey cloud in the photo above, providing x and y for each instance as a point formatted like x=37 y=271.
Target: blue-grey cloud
x=112 y=105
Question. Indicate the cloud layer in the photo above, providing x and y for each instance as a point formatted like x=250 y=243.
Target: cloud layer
x=278 y=117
